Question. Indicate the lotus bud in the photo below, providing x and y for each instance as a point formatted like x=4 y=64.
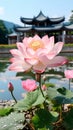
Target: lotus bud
x=10 y=87
x=44 y=87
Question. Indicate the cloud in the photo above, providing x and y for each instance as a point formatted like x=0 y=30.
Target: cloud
x=1 y=10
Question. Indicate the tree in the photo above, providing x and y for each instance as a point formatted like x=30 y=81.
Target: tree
x=71 y=17
x=3 y=33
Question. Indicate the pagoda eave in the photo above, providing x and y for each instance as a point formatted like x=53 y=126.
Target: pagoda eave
x=55 y=28
x=69 y=27
x=57 y=20
x=48 y=28
x=22 y=29
x=26 y=20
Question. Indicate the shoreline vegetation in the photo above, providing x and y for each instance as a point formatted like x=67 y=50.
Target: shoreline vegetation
x=14 y=45
x=6 y=46
x=11 y=46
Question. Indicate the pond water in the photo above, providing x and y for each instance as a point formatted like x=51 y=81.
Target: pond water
x=55 y=76
x=7 y=76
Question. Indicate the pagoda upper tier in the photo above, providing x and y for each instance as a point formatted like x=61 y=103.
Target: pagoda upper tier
x=42 y=23
x=42 y=18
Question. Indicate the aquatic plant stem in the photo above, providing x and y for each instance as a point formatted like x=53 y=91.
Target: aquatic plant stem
x=61 y=112
x=41 y=88
x=69 y=84
x=13 y=97
x=38 y=78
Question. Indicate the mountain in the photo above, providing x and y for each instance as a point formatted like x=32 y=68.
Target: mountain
x=9 y=25
x=6 y=28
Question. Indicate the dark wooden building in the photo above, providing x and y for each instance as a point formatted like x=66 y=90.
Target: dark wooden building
x=41 y=25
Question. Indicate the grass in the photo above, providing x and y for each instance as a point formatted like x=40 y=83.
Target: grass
x=8 y=46
x=68 y=44
x=5 y=111
x=14 y=45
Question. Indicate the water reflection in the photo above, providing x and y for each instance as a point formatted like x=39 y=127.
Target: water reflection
x=55 y=76
x=7 y=76
x=3 y=66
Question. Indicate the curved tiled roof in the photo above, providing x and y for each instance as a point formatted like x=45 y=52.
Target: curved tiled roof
x=41 y=18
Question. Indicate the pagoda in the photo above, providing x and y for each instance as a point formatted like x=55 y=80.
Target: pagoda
x=42 y=25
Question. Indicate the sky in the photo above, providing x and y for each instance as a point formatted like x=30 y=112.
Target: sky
x=12 y=10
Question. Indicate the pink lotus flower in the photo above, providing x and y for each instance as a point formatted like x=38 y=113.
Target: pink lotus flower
x=68 y=74
x=36 y=53
x=29 y=85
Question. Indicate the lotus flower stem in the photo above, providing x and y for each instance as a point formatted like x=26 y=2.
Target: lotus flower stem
x=38 y=78
x=69 y=84
x=40 y=88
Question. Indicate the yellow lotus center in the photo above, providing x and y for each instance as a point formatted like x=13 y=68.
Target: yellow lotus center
x=36 y=45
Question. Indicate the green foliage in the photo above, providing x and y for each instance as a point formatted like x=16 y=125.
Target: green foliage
x=5 y=111
x=3 y=33
x=52 y=93
x=44 y=119
x=14 y=121
x=71 y=18
x=67 y=93
x=60 y=96
x=3 y=66
x=26 y=75
x=68 y=119
x=50 y=85
x=42 y=111
x=32 y=99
